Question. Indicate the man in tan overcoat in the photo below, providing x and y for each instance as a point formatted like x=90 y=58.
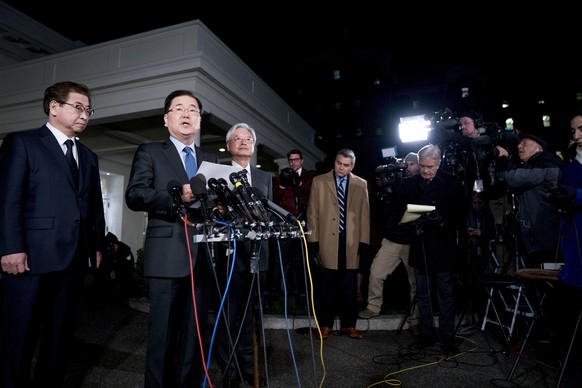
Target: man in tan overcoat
x=338 y=244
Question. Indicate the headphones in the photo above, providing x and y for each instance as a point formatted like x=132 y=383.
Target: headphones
x=477 y=121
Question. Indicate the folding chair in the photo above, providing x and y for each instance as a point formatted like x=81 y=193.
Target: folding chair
x=506 y=299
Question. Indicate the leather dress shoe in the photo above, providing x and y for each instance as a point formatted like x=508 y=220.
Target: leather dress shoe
x=352 y=333
x=325 y=332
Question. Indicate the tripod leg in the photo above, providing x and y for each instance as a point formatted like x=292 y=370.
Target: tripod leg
x=569 y=348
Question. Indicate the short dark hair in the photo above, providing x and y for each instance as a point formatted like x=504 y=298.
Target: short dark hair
x=295 y=151
x=178 y=93
x=60 y=92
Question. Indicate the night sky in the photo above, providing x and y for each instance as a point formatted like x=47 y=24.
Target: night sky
x=271 y=39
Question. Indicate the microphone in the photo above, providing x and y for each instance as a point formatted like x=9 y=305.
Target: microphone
x=284 y=214
x=243 y=195
x=233 y=199
x=198 y=186
x=228 y=202
x=175 y=191
x=254 y=197
x=241 y=202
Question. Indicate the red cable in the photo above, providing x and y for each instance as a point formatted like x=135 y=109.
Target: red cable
x=194 y=303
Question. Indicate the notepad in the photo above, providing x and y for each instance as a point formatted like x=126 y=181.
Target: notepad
x=414 y=211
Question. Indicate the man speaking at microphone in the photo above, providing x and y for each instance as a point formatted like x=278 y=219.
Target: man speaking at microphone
x=240 y=142
x=173 y=357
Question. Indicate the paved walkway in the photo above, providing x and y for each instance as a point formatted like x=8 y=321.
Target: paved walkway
x=110 y=344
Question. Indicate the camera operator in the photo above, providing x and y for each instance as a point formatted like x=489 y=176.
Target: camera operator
x=530 y=181
x=481 y=168
x=291 y=190
x=395 y=242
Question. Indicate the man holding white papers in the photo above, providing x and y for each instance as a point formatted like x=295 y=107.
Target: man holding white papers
x=433 y=250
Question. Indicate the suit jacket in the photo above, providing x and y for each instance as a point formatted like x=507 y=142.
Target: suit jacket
x=43 y=212
x=262 y=181
x=323 y=219
x=154 y=165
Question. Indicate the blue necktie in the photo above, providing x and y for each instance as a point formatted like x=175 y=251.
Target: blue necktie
x=71 y=160
x=341 y=198
x=190 y=162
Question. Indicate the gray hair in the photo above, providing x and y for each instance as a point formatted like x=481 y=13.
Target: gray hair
x=430 y=151
x=348 y=154
x=241 y=125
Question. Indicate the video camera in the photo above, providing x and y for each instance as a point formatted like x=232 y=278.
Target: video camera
x=443 y=122
x=446 y=132
x=289 y=177
x=491 y=136
x=389 y=174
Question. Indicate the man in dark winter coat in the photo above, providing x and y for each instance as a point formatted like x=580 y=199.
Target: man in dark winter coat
x=531 y=182
x=433 y=250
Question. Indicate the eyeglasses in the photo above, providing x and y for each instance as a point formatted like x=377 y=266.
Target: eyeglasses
x=180 y=110
x=80 y=108
x=241 y=139
x=293 y=159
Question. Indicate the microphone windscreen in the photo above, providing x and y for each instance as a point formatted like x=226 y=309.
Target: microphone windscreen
x=174 y=185
x=198 y=184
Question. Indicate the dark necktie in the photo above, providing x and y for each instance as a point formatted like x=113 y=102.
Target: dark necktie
x=341 y=198
x=189 y=162
x=71 y=160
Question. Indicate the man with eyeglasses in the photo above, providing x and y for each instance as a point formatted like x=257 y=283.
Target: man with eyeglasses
x=291 y=190
x=173 y=356
x=240 y=321
x=52 y=221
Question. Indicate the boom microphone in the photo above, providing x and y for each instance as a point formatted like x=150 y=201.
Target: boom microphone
x=276 y=208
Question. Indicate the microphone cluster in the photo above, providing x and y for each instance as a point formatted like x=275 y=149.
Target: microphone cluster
x=243 y=206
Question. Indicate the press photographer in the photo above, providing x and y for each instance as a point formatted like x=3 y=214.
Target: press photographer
x=292 y=186
x=291 y=189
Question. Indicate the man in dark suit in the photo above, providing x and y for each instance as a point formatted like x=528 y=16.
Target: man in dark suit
x=239 y=316
x=52 y=223
x=173 y=356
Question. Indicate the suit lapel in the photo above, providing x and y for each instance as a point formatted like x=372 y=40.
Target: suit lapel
x=54 y=149
x=175 y=160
